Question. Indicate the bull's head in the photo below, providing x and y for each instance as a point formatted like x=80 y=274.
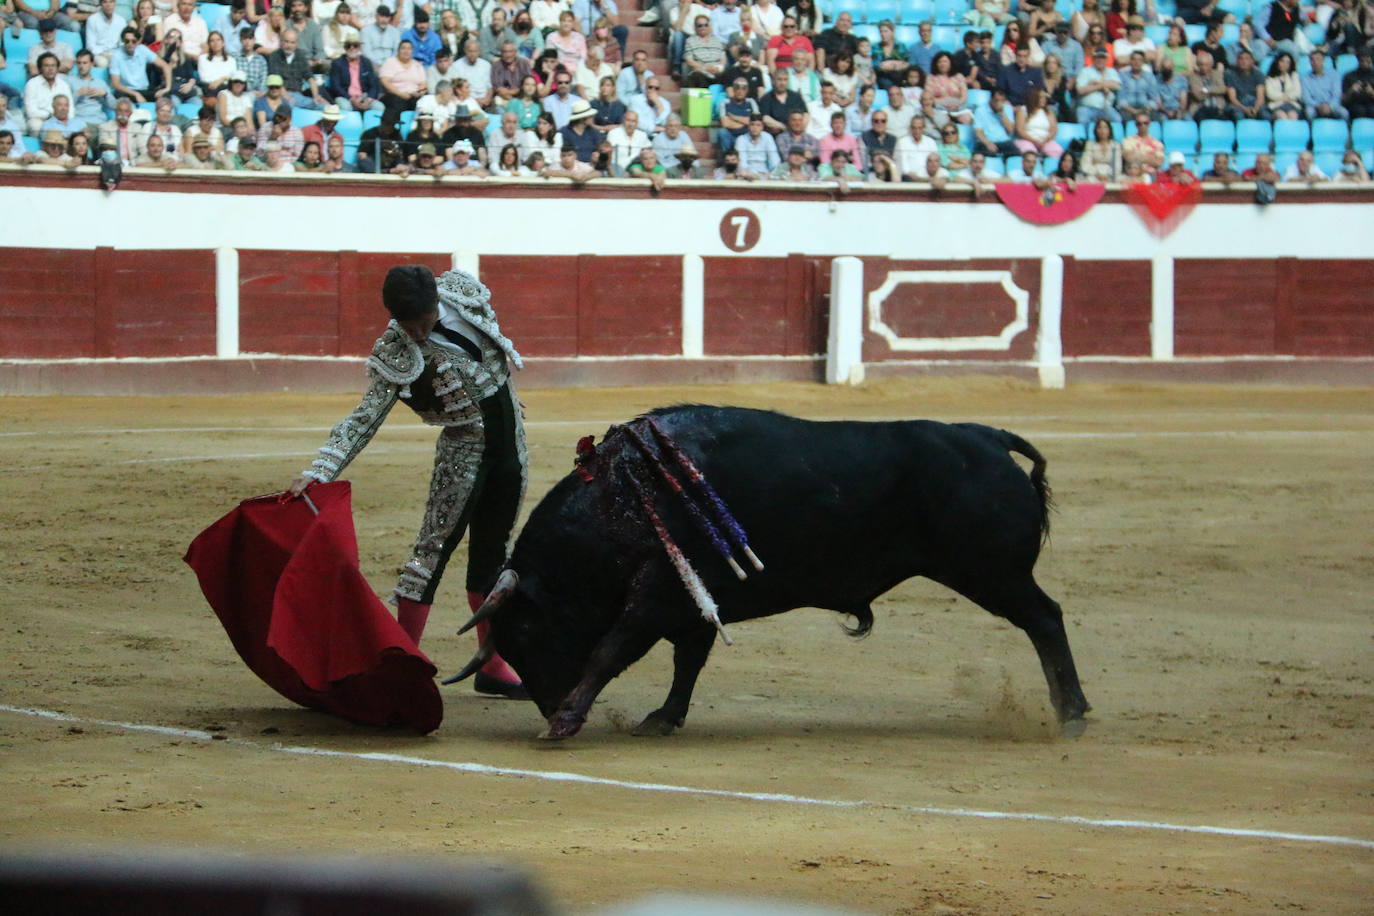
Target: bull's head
x=544 y=647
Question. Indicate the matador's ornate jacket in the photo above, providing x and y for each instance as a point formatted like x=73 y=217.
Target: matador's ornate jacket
x=442 y=385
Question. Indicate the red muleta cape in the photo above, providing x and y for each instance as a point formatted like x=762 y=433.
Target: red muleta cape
x=285 y=584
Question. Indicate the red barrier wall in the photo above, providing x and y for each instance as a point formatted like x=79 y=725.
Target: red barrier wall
x=766 y=305
x=60 y=303
x=951 y=309
x=1106 y=308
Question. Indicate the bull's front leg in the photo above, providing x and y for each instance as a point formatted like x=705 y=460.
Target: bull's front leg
x=689 y=655
x=624 y=645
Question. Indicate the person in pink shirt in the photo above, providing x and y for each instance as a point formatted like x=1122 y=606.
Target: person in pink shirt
x=838 y=139
x=403 y=82
x=194 y=32
x=570 y=44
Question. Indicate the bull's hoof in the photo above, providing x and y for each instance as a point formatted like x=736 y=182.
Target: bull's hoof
x=656 y=725
x=560 y=728
x=1073 y=728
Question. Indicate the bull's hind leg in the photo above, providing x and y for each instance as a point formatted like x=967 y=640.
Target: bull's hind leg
x=1024 y=604
x=689 y=655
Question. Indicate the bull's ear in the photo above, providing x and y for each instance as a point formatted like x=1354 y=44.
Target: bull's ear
x=505 y=586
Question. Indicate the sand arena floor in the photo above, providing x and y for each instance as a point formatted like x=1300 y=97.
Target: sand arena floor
x=1212 y=552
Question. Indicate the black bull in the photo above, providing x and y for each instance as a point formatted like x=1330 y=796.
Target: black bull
x=839 y=513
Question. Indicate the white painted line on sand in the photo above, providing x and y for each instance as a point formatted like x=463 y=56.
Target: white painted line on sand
x=483 y=769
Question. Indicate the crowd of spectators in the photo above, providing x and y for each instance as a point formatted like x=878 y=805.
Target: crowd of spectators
x=553 y=88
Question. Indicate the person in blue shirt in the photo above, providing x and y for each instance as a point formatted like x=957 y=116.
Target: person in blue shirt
x=425 y=43
x=90 y=93
x=1321 y=90
x=129 y=70
x=993 y=124
x=1067 y=49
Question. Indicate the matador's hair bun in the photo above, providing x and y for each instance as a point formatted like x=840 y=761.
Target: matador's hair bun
x=409 y=291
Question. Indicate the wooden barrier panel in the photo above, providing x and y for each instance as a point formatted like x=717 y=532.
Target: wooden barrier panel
x=1224 y=307
x=1106 y=308
x=48 y=305
x=928 y=311
x=766 y=306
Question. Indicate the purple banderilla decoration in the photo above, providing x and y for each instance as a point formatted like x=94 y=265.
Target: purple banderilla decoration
x=693 y=510
x=722 y=512
x=695 y=587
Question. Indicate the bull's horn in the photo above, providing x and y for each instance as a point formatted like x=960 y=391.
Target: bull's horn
x=483 y=656
x=502 y=590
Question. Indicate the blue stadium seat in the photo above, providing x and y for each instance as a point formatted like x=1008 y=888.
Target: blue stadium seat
x=878 y=10
x=1230 y=34
x=854 y=8
x=1066 y=8
x=1195 y=33
x=1329 y=163
x=908 y=34
x=867 y=31
x=951 y=11
x=1157 y=33
x=1049 y=164
x=150 y=107
x=1217 y=137
x=15 y=75
x=303 y=117
x=918 y=11
x=1291 y=136
x=1254 y=136
x=949 y=37
x=966 y=134
x=1345 y=63
x=17 y=46
x=1362 y=134
x=407 y=118
x=189 y=110
x=1118 y=130
x=978 y=97
x=1304 y=64
x=1242 y=161
x=1181 y=135
x=1068 y=133
x=1369 y=162
x=350 y=127
x=31 y=144
x=994 y=166
x=1316 y=33
x=1284 y=161
x=1330 y=135
x=351 y=153
x=1238 y=8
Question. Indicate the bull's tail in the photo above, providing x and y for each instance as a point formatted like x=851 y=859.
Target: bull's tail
x=1015 y=443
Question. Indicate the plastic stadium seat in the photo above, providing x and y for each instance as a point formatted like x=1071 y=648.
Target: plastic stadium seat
x=918 y=11
x=1181 y=135
x=1254 y=136
x=351 y=153
x=1195 y=33
x=908 y=34
x=854 y=8
x=189 y=110
x=1345 y=63
x=878 y=10
x=303 y=117
x=978 y=97
x=1238 y=8
x=1284 y=161
x=1304 y=64
x=1329 y=163
x=1068 y=133
x=1369 y=162
x=1157 y=33
x=15 y=76
x=867 y=31
x=350 y=129
x=1048 y=165
x=1066 y=8
x=1329 y=135
x=1118 y=130
x=31 y=144
x=1362 y=134
x=1217 y=136
x=1242 y=161
x=1316 y=33
x=17 y=46
x=1291 y=136
x=407 y=118
x=951 y=11
x=372 y=117
x=948 y=37
x=966 y=134
x=1230 y=34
